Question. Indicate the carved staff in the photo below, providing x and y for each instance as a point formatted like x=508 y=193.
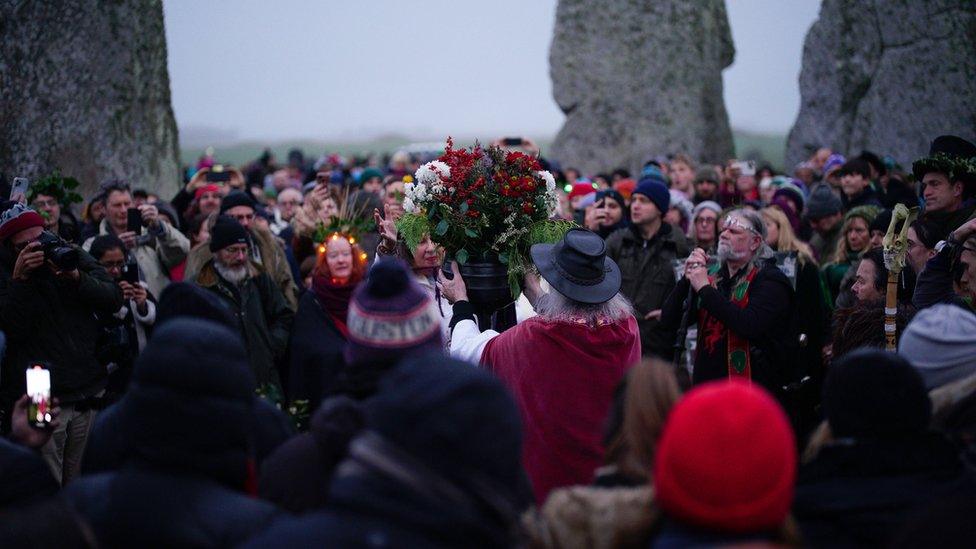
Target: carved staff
x=895 y=248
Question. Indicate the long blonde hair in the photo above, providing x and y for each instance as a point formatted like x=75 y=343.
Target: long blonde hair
x=842 y=251
x=787 y=240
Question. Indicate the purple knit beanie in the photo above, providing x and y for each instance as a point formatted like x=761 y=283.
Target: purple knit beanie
x=391 y=316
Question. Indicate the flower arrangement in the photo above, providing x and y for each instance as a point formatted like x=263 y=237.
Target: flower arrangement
x=483 y=202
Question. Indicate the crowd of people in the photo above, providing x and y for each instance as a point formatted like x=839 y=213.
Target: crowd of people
x=714 y=355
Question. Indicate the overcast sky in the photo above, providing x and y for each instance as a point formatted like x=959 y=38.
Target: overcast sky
x=348 y=69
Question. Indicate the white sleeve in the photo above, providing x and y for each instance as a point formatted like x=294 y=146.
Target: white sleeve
x=468 y=342
x=150 y=317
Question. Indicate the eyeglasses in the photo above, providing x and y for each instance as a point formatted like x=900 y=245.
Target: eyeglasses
x=244 y=217
x=705 y=220
x=41 y=203
x=735 y=222
x=113 y=264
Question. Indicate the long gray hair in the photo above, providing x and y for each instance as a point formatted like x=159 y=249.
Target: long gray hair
x=554 y=306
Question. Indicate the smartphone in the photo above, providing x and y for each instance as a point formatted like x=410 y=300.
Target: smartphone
x=747 y=167
x=217 y=174
x=39 y=391
x=134 y=221
x=19 y=188
x=512 y=141
x=130 y=273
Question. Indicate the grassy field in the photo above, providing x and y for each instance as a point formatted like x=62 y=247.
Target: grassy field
x=755 y=146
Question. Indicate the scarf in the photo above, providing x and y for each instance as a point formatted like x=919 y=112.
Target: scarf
x=334 y=299
x=738 y=360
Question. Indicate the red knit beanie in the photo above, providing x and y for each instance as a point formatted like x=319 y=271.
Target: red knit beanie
x=18 y=218
x=726 y=460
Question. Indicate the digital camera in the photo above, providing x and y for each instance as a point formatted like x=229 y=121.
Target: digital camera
x=58 y=252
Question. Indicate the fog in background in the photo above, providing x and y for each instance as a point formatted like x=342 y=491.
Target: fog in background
x=353 y=70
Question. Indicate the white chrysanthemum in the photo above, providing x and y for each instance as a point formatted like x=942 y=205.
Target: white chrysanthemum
x=548 y=178
x=432 y=172
x=552 y=202
x=437 y=188
x=409 y=206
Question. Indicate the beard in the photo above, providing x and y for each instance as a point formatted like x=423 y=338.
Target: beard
x=724 y=252
x=234 y=275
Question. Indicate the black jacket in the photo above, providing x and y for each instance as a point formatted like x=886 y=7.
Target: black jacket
x=296 y=476
x=647 y=277
x=858 y=494
x=768 y=323
x=144 y=507
x=315 y=352
x=51 y=320
x=24 y=477
x=868 y=197
x=186 y=429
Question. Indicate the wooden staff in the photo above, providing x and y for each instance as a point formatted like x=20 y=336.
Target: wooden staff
x=895 y=249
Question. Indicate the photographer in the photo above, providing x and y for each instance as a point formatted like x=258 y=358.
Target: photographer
x=157 y=250
x=50 y=293
x=125 y=332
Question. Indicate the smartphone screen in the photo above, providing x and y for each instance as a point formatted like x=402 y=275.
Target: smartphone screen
x=39 y=391
x=218 y=177
x=130 y=273
x=18 y=191
x=134 y=221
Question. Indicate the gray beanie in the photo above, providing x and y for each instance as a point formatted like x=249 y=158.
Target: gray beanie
x=822 y=202
x=940 y=342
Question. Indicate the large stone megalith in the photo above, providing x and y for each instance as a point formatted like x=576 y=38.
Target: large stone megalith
x=886 y=76
x=84 y=88
x=639 y=78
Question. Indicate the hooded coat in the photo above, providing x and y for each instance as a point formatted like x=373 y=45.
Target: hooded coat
x=188 y=417
x=438 y=466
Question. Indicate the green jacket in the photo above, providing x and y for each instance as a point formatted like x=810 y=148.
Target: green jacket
x=647 y=273
x=263 y=317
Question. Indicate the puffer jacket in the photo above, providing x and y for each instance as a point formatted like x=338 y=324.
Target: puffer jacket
x=647 y=275
x=156 y=253
x=50 y=320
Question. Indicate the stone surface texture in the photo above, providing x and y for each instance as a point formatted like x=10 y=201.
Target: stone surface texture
x=84 y=88
x=886 y=76
x=640 y=78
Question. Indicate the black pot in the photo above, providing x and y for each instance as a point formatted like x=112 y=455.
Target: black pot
x=486 y=279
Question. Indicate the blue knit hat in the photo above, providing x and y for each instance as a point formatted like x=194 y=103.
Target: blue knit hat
x=654 y=189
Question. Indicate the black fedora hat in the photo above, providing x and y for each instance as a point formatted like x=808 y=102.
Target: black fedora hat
x=578 y=267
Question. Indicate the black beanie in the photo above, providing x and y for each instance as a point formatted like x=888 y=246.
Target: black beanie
x=226 y=232
x=459 y=421
x=875 y=394
x=182 y=299
x=237 y=198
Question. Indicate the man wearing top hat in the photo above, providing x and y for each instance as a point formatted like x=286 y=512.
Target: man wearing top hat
x=562 y=365
x=948 y=179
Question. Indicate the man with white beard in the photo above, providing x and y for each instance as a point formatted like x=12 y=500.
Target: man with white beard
x=744 y=306
x=263 y=316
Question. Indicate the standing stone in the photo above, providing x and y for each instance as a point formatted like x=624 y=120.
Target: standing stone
x=84 y=88
x=886 y=76
x=640 y=78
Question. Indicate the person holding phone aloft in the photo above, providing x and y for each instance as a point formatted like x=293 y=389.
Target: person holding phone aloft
x=158 y=249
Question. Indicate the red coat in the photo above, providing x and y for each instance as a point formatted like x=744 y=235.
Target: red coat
x=563 y=377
